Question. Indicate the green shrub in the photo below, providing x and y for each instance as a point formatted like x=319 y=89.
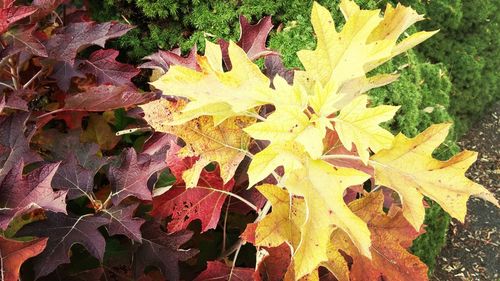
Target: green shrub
x=464 y=50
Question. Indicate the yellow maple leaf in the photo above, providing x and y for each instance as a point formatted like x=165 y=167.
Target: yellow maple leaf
x=322 y=187
x=225 y=144
x=360 y=125
x=409 y=169
x=284 y=223
x=366 y=41
x=214 y=92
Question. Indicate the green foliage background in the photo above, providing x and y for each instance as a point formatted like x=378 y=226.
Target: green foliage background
x=452 y=76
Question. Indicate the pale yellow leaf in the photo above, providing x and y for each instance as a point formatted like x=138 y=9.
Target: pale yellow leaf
x=214 y=92
x=322 y=187
x=409 y=169
x=360 y=125
x=284 y=222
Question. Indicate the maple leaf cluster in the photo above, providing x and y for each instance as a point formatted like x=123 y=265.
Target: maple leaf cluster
x=251 y=174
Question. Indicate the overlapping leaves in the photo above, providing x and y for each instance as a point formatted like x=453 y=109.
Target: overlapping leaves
x=328 y=95
x=130 y=205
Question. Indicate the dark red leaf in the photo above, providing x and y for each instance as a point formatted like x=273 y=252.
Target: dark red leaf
x=6 y=3
x=162 y=60
x=77 y=179
x=21 y=193
x=44 y=8
x=13 y=101
x=102 y=98
x=10 y=15
x=218 y=271
x=63 y=72
x=130 y=177
x=252 y=40
x=103 y=65
x=162 y=250
x=24 y=41
x=14 y=253
x=63 y=231
x=122 y=221
x=14 y=145
x=69 y=40
x=273 y=266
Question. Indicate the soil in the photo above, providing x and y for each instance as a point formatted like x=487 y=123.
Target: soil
x=472 y=251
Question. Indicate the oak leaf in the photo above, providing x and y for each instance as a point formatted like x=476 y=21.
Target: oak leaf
x=162 y=250
x=162 y=60
x=20 y=193
x=408 y=168
x=103 y=65
x=69 y=40
x=122 y=221
x=63 y=231
x=212 y=91
x=343 y=57
x=219 y=271
x=14 y=253
x=225 y=144
x=284 y=223
x=14 y=144
x=252 y=40
x=130 y=176
x=11 y=14
x=360 y=125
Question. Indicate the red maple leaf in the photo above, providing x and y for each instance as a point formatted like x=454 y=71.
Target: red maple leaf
x=184 y=205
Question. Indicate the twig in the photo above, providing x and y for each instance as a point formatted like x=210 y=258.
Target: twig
x=7 y=85
x=33 y=78
x=133 y=130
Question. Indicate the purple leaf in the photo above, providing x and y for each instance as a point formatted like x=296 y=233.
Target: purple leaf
x=63 y=231
x=63 y=72
x=121 y=221
x=69 y=40
x=102 y=98
x=130 y=177
x=162 y=60
x=14 y=145
x=20 y=193
x=24 y=41
x=273 y=65
x=103 y=65
x=162 y=250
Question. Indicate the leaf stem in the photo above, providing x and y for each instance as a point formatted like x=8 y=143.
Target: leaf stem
x=248 y=203
x=40 y=72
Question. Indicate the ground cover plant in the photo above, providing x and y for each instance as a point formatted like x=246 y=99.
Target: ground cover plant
x=249 y=174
